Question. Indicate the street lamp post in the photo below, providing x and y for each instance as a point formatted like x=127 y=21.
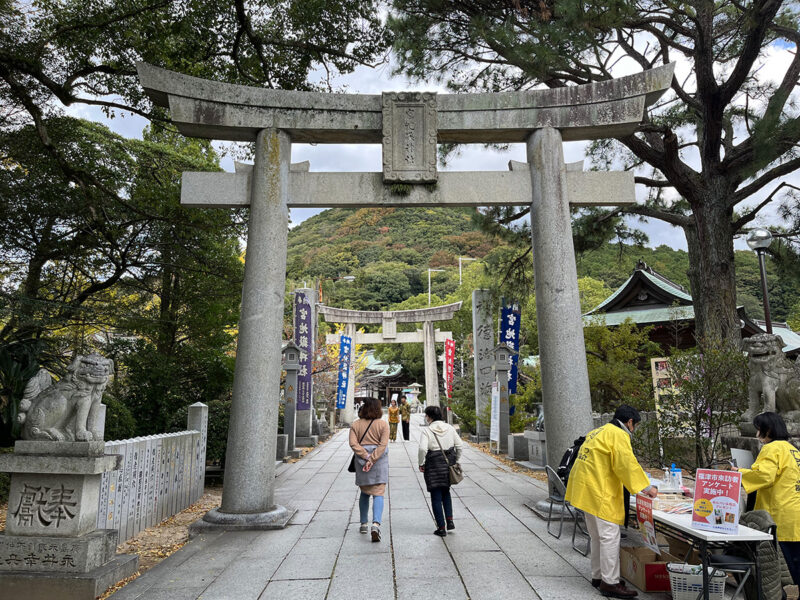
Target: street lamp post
x=460 y=258
x=429 y=282
x=759 y=240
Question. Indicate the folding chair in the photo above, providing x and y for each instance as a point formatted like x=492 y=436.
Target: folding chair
x=557 y=493
x=739 y=566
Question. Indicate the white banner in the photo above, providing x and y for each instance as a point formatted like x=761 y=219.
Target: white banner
x=494 y=429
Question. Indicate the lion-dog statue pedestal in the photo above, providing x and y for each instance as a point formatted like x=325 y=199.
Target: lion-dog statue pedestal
x=51 y=547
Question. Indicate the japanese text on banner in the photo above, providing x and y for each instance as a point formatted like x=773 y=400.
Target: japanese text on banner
x=344 y=371
x=509 y=335
x=449 y=359
x=304 y=338
x=716 y=501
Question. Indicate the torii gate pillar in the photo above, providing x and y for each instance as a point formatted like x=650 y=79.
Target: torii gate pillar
x=248 y=499
x=565 y=380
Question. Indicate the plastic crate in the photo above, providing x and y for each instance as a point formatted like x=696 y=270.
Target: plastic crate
x=686 y=582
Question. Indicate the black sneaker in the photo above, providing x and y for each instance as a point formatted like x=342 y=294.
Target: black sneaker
x=376 y=533
x=451 y=525
x=441 y=532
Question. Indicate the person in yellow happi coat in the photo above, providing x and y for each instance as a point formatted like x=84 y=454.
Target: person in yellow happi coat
x=605 y=464
x=775 y=476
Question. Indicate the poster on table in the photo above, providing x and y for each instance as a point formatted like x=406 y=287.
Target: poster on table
x=304 y=338
x=449 y=360
x=344 y=371
x=494 y=428
x=647 y=527
x=509 y=335
x=716 y=501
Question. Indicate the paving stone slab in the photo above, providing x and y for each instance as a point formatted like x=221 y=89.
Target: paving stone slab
x=327 y=524
x=425 y=588
x=310 y=559
x=484 y=573
x=305 y=589
x=439 y=562
x=563 y=588
x=245 y=579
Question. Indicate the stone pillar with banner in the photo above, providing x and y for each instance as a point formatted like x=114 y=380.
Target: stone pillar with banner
x=304 y=338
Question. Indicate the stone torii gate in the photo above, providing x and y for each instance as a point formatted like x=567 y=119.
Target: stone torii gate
x=409 y=125
x=389 y=335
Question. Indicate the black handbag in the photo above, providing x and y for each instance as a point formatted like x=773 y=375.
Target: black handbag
x=456 y=474
x=352 y=466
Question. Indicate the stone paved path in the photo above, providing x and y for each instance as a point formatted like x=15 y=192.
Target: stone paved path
x=498 y=549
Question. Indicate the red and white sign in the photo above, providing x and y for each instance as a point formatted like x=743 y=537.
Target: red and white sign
x=644 y=515
x=449 y=360
x=716 y=501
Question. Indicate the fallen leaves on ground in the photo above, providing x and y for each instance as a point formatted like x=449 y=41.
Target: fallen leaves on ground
x=513 y=465
x=156 y=543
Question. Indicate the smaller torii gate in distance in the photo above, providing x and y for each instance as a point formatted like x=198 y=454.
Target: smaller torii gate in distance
x=389 y=335
x=409 y=125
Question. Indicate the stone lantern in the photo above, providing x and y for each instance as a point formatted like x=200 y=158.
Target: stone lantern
x=502 y=365
x=291 y=364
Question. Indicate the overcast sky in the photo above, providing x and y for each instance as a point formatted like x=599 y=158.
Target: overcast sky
x=345 y=157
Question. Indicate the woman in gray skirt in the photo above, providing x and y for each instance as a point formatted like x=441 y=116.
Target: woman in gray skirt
x=369 y=438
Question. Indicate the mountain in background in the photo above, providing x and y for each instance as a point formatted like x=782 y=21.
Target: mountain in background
x=389 y=251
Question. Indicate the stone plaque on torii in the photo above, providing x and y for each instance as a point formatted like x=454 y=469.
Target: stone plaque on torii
x=388 y=319
x=274 y=119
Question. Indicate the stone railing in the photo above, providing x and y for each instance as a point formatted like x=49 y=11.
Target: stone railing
x=159 y=476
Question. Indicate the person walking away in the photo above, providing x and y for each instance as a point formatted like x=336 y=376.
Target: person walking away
x=775 y=475
x=394 y=419
x=369 y=438
x=439 y=447
x=405 y=417
x=604 y=466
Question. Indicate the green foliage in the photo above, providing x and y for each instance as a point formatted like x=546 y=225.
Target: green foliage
x=711 y=394
x=5 y=480
x=18 y=363
x=219 y=411
x=120 y=422
x=745 y=147
x=617 y=359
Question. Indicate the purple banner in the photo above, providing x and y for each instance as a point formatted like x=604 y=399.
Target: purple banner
x=304 y=338
x=344 y=371
x=509 y=335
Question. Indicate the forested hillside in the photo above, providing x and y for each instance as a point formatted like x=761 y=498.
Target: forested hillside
x=389 y=251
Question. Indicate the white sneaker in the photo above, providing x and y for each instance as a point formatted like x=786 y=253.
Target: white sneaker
x=376 y=533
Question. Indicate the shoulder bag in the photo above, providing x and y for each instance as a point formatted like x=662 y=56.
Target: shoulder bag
x=352 y=466
x=456 y=474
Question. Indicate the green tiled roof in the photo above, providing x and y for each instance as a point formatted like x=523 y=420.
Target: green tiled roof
x=658 y=282
x=642 y=316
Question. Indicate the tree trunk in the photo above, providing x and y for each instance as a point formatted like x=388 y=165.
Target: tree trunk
x=712 y=274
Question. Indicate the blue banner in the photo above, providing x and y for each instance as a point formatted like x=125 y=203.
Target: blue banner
x=344 y=371
x=509 y=335
x=304 y=338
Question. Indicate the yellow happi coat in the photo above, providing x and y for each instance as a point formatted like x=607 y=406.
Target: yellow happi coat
x=776 y=476
x=605 y=463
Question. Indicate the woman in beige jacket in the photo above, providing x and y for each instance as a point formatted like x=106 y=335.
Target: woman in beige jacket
x=369 y=438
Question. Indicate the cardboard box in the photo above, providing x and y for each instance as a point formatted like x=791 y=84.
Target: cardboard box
x=645 y=569
x=679 y=548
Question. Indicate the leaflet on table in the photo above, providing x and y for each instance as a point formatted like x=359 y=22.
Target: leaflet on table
x=644 y=515
x=716 y=501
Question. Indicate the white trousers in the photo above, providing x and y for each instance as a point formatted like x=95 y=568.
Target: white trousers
x=605 y=549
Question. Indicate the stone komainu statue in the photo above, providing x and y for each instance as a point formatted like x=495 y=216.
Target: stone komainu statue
x=66 y=410
x=774 y=379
